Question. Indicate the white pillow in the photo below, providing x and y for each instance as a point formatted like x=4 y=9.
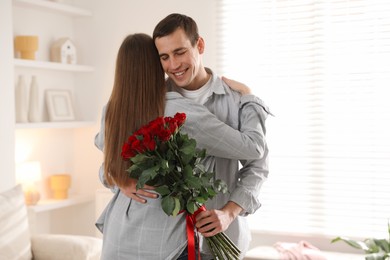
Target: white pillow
x=66 y=247
x=15 y=237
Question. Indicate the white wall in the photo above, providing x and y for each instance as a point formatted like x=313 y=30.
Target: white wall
x=7 y=115
x=112 y=21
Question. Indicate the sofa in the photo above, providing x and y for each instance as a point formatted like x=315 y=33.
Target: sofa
x=16 y=242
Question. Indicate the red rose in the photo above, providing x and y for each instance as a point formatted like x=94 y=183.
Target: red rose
x=164 y=135
x=149 y=143
x=180 y=118
x=127 y=151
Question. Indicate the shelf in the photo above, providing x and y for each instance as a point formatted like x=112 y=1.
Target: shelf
x=52 y=65
x=52 y=204
x=53 y=6
x=58 y=125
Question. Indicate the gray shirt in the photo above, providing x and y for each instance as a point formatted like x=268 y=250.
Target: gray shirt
x=244 y=184
x=143 y=231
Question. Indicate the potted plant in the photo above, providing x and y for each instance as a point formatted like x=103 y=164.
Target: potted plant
x=375 y=249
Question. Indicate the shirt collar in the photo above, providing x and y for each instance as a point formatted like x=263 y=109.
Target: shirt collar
x=217 y=84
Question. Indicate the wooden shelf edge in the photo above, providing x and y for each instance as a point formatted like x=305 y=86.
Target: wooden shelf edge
x=55 y=7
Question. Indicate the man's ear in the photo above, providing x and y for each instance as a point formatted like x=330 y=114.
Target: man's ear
x=200 y=45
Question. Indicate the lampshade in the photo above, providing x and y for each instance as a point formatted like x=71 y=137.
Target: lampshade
x=28 y=172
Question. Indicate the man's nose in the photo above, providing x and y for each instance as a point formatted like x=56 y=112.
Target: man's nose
x=174 y=63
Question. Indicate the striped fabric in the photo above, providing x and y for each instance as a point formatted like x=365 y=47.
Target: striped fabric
x=14 y=231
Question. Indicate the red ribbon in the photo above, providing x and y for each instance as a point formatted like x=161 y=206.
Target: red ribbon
x=191 y=221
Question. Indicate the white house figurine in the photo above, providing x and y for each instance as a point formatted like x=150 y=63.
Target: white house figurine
x=63 y=50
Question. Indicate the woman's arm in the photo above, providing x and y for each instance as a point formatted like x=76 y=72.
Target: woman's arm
x=237 y=86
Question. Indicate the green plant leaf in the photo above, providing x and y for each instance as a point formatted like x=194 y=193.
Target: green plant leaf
x=353 y=243
x=177 y=208
x=188 y=147
x=168 y=205
x=163 y=190
x=193 y=182
x=139 y=158
x=191 y=207
x=187 y=172
x=375 y=256
x=383 y=244
x=147 y=175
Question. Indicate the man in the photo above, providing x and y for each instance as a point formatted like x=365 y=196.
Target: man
x=180 y=48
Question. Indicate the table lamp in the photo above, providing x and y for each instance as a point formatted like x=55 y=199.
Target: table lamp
x=28 y=174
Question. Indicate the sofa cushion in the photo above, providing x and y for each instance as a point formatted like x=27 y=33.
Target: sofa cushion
x=66 y=247
x=14 y=231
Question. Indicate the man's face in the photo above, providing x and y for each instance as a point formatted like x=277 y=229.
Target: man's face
x=180 y=60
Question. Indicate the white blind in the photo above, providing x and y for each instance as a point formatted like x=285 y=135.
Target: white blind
x=323 y=67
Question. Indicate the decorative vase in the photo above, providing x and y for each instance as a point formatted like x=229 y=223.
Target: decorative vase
x=60 y=183
x=21 y=101
x=26 y=45
x=33 y=111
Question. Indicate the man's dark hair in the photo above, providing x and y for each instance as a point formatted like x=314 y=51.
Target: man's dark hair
x=174 y=21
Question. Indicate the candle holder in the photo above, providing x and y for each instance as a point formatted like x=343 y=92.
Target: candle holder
x=59 y=184
x=27 y=45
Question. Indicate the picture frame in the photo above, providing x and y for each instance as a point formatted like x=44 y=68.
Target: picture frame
x=59 y=105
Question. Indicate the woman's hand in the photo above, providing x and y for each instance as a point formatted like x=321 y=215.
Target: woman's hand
x=131 y=191
x=237 y=86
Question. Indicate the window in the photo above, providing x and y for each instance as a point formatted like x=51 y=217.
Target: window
x=323 y=67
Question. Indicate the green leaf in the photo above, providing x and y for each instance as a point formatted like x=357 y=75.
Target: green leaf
x=147 y=175
x=168 y=205
x=375 y=256
x=188 y=147
x=382 y=244
x=372 y=246
x=353 y=243
x=193 y=182
x=163 y=190
x=177 y=207
x=139 y=158
x=187 y=171
x=191 y=207
x=220 y=186
x=164 y=164
x=200 y=200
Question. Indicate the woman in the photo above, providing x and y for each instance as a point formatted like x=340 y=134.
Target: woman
x=134 y=228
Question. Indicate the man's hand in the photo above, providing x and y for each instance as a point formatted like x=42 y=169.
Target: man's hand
x=138 y=195
x=212 y=222
x=237 y=86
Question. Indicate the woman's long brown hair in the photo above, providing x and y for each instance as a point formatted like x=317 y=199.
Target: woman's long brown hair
x=138 y=96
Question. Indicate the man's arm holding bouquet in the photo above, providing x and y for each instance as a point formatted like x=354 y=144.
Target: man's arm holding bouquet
x=244 y=198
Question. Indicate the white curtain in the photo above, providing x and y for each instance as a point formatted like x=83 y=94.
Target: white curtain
x=323 y=67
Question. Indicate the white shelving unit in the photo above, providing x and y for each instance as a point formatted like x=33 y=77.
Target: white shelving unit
x=53 y=6
x=55 y=125
x=55 y=144
x=52 y=66
x=47 y=66
x=51 y=204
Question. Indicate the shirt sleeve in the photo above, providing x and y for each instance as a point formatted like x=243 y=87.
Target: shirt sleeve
x=218 y=138
x=254 y=172
x=99 y=143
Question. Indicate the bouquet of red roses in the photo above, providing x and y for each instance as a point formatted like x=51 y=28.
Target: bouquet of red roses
x=162 y=156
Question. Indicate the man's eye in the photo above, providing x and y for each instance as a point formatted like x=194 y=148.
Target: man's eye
x=164 y=58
